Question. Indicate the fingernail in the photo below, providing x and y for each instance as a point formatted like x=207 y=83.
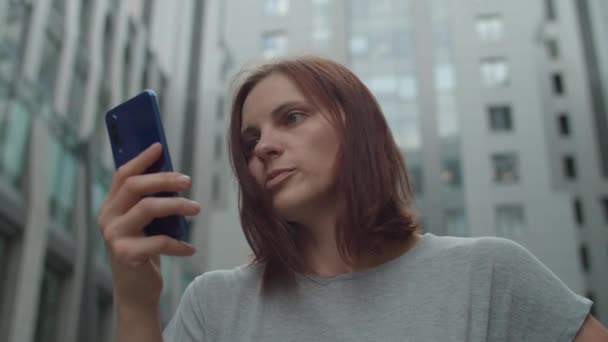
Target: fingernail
x=187 y=245
x=183 y=180
x=194 y=204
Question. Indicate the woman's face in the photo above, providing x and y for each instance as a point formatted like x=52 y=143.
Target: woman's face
x=291 y=148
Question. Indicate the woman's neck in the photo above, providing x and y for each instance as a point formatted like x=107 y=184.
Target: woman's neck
x=323 y=258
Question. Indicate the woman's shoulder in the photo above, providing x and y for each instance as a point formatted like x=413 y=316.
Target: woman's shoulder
x=489 y=248
x=239 y=278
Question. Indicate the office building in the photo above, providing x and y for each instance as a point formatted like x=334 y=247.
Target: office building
x=495 y=105
x=63 y=64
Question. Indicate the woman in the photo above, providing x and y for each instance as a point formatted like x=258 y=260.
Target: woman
x=325 y=207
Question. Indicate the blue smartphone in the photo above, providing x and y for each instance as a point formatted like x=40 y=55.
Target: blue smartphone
x=133 y=126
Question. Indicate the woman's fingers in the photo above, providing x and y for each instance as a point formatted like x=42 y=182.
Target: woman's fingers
x=136 y=187
x=134 y=251
x=146 y=210
x=135 y=166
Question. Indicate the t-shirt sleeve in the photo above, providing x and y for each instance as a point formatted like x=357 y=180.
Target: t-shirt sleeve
x=533 y=302
x=187 y=324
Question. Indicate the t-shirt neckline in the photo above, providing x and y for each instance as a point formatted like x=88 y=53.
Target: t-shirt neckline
x=405 y=257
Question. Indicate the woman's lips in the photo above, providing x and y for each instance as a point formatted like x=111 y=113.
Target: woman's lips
x=280 y=177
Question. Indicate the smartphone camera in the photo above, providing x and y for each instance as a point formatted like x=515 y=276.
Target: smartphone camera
x=114 y=135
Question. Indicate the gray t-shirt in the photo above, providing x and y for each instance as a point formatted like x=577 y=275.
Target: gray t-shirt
x=444 y=289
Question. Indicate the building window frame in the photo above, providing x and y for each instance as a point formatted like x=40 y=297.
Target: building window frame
x=500 y=118
x=495 y=72
x=563 y=125
x=569 y=167
x=276 y=8
x=489 y=27
x=506 y=167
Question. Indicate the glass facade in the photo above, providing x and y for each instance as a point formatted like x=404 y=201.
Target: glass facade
x=29 y=98
x=62 y=181
x=50 y=300
x=78 y=90
x=14 y=135
x=53 y=43
x=4 y=244
x=448 y=122
x=104 y=315
x=381 y=53
x=322 y=11
x=102 y=179
x=17 y=98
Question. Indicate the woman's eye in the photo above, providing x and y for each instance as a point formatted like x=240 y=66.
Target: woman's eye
x=294 y=117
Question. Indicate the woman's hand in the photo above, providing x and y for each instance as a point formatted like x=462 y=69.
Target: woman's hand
x=135 y=257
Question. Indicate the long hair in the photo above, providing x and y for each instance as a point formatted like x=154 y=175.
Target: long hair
x=371 y=177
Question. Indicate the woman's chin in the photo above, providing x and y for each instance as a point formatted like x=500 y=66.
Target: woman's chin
x=288 y=204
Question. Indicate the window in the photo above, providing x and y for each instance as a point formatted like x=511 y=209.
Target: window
x=454 y=223
x=13 y=144
x=505 y=168
x=552 y=48
x=569 y=167
x=220 y=107
x=48 y=69
x=383 y=84
x=563 y=124
x=163 y=88
x=126 y=69
x=85 y=21
x=104 y=315
x=99 y=188
x=274 y=44
x=604 y=201
x=494 y=72
x=321 y=24
x=415 y=178
x=510 y=221
x=450 y=175
x=358 y=45
x=500 y=118
x=15 y=26
x=489 y=28
x=145 y=79
x=3 y=266
x=50 y=300
x=579 y=215
x=584 y=255
x=147 y=12
x=77 y=93
x=215 y=188
x=217 y=147
x=558 y=84
x=107 y=42
x=59 y=6
x=550 y=10
x=61 y=184
x=276 y=7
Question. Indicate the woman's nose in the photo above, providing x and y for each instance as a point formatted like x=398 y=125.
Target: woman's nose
x=267 y=147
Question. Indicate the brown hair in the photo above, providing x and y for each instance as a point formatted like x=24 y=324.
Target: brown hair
x=371 y=174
